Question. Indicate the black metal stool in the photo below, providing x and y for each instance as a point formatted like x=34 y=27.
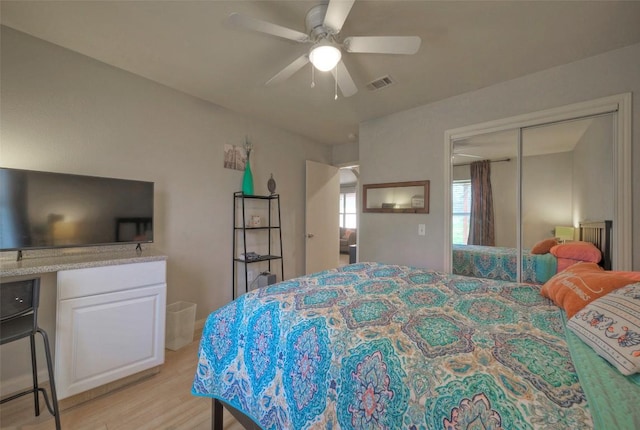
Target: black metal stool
x=19 y=319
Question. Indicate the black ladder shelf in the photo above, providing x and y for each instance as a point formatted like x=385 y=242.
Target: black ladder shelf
x=240 y=235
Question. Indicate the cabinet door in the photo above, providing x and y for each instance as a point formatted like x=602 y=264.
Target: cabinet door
x=106 y=337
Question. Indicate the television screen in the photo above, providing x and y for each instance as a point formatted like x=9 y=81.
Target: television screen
x=51 y=210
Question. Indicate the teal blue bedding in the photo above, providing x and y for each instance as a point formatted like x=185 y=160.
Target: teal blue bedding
x=372 y=346
x=614 y=399
x=496 y=262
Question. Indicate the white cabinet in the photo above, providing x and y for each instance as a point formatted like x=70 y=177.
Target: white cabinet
x=110 y=324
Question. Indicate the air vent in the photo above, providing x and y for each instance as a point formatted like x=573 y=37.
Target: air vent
x=380 y=83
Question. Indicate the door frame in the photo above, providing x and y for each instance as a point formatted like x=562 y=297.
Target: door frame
x=621 y=104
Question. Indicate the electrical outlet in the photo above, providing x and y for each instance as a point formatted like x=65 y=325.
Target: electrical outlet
x=250 y=276
x=421 y=230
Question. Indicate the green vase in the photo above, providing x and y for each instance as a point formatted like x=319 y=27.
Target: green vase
x=247 y=180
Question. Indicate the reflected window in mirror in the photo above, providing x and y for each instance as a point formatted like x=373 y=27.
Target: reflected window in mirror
x=461 y=209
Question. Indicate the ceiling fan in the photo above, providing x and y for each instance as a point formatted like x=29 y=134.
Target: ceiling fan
x=323 y=25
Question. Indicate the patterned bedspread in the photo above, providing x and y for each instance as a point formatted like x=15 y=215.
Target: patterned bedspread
x=378 y=346
x=495 y=262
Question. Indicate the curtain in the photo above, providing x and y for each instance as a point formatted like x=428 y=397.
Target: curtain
x=481 y=228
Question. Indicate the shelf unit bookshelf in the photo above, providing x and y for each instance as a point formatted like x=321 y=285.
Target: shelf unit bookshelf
x=272 y=229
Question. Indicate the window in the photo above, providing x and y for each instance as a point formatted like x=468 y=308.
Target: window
x=461 y=208
x=348 y=210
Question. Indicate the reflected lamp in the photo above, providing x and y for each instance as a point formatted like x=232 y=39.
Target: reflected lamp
x=564 y=234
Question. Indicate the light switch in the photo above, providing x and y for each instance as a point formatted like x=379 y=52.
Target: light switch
x=421 y=230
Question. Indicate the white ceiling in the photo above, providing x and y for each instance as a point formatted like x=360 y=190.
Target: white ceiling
x=187 y=45
x=547 y=139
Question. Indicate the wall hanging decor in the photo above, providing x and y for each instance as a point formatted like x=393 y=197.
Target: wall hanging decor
x=234 y=157
x=396 y=197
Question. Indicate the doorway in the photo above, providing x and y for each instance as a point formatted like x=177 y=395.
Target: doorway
x=348 y=214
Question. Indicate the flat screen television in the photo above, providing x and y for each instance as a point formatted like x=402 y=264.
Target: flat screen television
x=57 y=210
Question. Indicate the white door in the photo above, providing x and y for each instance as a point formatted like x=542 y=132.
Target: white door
x=322 y=217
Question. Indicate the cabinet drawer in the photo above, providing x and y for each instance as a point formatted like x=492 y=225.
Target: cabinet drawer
x=99 y=280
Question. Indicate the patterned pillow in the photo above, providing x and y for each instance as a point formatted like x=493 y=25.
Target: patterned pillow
x=580 y=284
x=611 y=326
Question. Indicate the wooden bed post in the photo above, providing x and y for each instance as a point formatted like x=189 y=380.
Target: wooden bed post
x=216 y=414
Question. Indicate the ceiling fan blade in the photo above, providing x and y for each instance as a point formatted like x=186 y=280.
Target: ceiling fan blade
x=288 y=71
x=345 y=82
x=261 y=26
x=467 y=155
x=383 y=44
x=337 y=13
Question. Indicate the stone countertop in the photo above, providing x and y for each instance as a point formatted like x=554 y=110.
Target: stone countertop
x=54 y=262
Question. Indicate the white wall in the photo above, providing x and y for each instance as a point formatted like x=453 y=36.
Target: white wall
x=409 y=146
x=65 y=112
x=547 y=195
x=504 y=191
x=345 y=154
x=593 y=174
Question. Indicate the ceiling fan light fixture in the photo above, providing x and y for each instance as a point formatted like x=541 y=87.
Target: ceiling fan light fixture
x=324 y=56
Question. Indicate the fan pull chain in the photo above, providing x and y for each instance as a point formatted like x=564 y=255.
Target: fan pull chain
x=313 y=77
x=335 y=96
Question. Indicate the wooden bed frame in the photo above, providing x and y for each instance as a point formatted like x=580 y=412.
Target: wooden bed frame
x=597 y=232
x=216 y=416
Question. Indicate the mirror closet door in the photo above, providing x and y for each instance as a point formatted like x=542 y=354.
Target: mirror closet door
x=544 y=181
x=567 y=178
x=484 y=205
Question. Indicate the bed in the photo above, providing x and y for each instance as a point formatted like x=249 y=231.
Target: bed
x=496 y=262
x=500 y=263
x=370 y=345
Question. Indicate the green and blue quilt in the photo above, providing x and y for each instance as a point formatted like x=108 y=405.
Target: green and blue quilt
x=381 y=346
x=496 y=262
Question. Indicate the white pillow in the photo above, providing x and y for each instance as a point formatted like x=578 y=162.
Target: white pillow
x=611 y=326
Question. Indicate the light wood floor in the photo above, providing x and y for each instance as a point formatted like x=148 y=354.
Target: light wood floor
x=344 y=259
x=162 y=401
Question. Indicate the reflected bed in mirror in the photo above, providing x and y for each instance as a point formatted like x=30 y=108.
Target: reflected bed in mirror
x=500 y=263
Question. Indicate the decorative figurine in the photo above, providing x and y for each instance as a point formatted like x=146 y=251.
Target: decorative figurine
x=271 y=185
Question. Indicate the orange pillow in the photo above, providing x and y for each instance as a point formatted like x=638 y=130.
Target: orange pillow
x=544 y=246
x=631 y=275
x=583 y=251
x=575 y=287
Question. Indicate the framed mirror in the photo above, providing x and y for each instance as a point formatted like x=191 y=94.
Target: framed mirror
x=396 y=197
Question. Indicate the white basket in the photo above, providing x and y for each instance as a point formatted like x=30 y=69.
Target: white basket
x=181 y=320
